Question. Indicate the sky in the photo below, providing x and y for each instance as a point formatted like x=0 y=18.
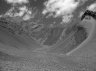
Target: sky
x=51 y=5
x=14 y=8
x=60 y=7
x=4 y=6
x=17 y=1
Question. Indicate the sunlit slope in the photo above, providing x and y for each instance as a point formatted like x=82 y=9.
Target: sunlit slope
x=89 y=47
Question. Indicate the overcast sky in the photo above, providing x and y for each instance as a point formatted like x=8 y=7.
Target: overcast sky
x=4 y=6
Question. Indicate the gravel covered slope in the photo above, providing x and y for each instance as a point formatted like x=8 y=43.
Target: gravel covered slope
x=47 y=62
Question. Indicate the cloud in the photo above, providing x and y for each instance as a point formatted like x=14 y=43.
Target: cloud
x=92 y=7
x=27 y=17
x=17 y=1
x=67 y=18
x=24 y=12
x=60 y=7
x=13 y=12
